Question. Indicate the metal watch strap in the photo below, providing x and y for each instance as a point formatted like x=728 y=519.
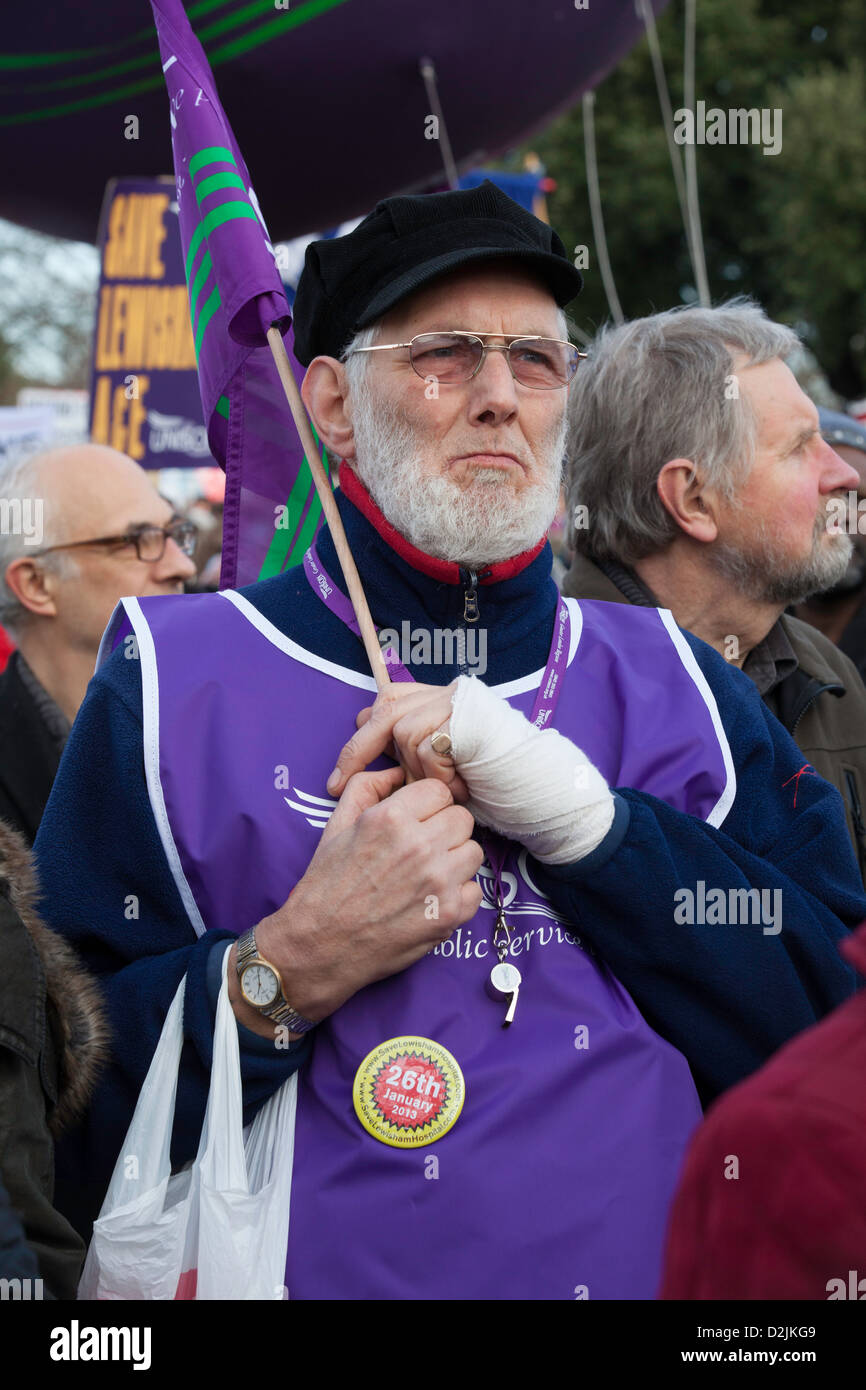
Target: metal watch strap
x=281 y=1012
x=247 y=949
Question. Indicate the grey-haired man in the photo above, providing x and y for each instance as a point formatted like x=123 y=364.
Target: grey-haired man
x=699 y=481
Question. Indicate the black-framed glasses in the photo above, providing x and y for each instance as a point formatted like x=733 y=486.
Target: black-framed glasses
x=452 y=358
x=149 y=541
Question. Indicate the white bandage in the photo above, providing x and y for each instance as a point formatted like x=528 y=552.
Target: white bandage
x=532 y=785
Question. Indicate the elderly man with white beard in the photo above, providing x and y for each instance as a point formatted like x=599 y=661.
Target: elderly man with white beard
x=502 y=1033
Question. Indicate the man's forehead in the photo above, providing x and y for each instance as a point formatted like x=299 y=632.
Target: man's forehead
x=140 y=511
x=96 y=498
x=493 y=297
x=784 y=411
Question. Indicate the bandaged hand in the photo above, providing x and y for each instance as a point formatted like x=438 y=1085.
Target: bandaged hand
x=532 y=785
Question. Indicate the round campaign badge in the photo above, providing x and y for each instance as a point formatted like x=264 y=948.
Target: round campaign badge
x=408 y=1092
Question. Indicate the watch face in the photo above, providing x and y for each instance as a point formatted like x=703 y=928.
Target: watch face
x=259 y=985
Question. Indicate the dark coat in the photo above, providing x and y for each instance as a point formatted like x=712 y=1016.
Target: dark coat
x=53 y=1038
x=17 y=1260
x=29 y=756
x=822 y=704
x=770 y=1205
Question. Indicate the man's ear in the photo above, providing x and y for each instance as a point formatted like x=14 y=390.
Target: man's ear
x=692 y=504
x=324 y=392
x=33 y=586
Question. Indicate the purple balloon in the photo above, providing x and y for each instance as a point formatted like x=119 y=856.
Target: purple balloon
x=326 y=97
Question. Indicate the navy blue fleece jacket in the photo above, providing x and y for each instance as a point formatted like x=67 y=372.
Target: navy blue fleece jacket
x=727 y=997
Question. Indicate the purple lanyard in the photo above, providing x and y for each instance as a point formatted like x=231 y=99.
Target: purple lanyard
x=546 y=698
x=323 y=585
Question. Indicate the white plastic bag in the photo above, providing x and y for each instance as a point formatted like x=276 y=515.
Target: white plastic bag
x=244 y=1189
x=219 y=1228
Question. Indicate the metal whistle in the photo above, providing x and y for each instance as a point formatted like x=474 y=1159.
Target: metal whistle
x=504 y=983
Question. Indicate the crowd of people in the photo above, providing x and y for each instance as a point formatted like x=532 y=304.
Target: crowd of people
x=651 y=806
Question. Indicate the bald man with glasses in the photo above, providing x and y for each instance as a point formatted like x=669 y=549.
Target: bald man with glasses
x=97 y=530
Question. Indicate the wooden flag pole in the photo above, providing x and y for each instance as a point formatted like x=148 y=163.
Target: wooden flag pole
x=329 y=507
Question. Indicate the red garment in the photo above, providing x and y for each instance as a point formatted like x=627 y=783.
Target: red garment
x=444 y=570
x=7 y=647
x=794 y=1220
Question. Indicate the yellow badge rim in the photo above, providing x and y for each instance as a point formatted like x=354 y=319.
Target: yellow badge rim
x=376 y=1123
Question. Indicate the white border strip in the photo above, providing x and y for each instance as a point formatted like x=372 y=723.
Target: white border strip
x=150 y=735
x=107 y=638
x=687 y=657
x=342 y=673
x=285 y=644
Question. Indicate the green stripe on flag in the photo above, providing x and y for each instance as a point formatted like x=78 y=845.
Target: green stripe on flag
x=209 y=308
x=214 y=154
x=308 y=532
x=227 y=212
x=195 y=242
x=294 y=506
x=197 y=285
x=222 y=407
x=303 y=489
x=297 y=500
x=217 y=181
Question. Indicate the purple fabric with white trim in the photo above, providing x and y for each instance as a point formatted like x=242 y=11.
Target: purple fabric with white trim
x=559 y=1171
x=548 y=691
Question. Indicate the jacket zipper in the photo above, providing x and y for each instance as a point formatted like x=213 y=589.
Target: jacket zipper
x=471 y=611
x=470 y=596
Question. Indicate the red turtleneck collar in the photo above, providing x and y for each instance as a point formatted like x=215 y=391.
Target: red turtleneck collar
x=444 y=570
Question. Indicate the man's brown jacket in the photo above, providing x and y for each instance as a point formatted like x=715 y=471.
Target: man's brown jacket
x=822 y=704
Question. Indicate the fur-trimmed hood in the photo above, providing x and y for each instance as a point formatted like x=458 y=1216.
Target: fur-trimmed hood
x=75 y=1009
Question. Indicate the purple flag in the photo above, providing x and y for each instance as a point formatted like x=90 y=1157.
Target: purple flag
x=272 y=511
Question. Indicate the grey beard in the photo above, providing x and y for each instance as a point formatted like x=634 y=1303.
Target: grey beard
x=853 y=579
x=479 y=525
x=765 y=574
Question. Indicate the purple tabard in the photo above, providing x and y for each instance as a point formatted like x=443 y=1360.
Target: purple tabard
x=555 y=1181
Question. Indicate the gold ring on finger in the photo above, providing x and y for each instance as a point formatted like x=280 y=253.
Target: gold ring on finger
x=441 y=743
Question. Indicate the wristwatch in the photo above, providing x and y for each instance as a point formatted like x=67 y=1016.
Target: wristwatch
x=262 y=987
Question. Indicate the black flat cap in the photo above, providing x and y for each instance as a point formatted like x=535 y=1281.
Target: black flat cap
x=405 y=242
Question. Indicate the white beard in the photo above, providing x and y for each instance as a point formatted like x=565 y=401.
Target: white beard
x=480 y=524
